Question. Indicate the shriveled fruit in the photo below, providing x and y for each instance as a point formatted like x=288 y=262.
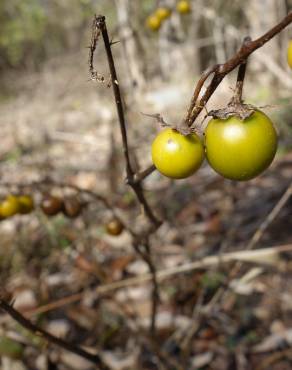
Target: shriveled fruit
x=72 y=207
x=51 y=205
x=114 y=227
x=241 y=149
x=175 y=155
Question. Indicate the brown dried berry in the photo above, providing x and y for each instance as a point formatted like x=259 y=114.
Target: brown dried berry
x=51 y=205
x=72 y=207
x=114 y=227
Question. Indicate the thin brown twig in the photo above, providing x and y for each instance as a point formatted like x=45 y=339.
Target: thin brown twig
x=197 y=91
x=17 y=316
x=142 y=239
x=136 y=186
x=140 y=176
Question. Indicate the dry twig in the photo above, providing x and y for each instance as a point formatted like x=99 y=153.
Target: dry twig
x=17 y=316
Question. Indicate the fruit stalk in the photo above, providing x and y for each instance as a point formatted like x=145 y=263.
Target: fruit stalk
x=219 y=71
x=237 y=98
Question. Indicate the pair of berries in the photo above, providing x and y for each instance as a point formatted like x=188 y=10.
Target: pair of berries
x=238 y=149
x=13 y=205
x=69 y=206
x=155 y=20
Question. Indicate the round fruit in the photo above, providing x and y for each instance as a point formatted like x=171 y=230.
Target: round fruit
x=183 y=7
x=9 y=207
x=175 y=155
x=51 y=205
x=114 y=227
x=26 y=204
x=153 y=22
x=162 y=13
x=72 y=207
x=289 y=54
x=241 y=149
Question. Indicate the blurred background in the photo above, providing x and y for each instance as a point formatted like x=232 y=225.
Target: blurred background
x=57 y=123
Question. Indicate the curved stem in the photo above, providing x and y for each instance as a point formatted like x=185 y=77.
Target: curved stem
x=247 y=48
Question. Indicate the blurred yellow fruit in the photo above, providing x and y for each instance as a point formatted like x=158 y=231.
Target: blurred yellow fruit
x=162 y=13
x=26 y=204
x=289 y=54
x=183 y=7
x=9 y=207
x=153 y=22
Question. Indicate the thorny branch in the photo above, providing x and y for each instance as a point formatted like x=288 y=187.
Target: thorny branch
x=221 y=70
x=100 y=25
x=94 y=358
x=133 y=180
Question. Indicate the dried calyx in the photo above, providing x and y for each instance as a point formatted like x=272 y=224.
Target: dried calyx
x=237 y=109
x=182 y=129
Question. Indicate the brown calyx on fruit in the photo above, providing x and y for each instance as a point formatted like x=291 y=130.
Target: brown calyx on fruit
x=234 y=108
x=182 y=129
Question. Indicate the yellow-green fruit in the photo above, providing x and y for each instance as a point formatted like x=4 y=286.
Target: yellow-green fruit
x=183 y=7
x=153 y=22
x=289 y=54
x=9 y=207
x=162 y=13
x=175 y=155
x=241 y=149
x=26 y=204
